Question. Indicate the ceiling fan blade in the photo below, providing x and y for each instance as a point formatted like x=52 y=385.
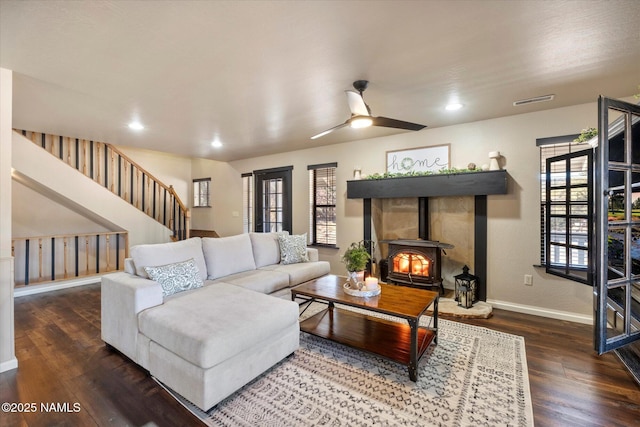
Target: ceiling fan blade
x=357 y=104
x=330 y=130
x=398 y=124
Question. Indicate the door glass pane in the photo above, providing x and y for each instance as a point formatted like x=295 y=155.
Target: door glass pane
x=635 y=130
x=615 y=253
x=616 y=195
x=635 y=250
x=616 y=308
x=617 y=125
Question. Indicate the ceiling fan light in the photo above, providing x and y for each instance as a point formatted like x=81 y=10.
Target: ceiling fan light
x=360 y=122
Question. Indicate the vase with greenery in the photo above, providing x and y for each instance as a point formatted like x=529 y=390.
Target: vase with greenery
x=355 y=258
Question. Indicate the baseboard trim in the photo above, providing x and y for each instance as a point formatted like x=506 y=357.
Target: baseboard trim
x=543 y=312
x=54 y=286
x=9 y=365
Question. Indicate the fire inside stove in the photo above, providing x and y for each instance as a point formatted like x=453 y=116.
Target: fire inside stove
x=411 y=263
x=415 y=262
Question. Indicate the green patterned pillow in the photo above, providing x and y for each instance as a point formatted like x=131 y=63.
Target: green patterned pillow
x=293 y=249
x=177 y=277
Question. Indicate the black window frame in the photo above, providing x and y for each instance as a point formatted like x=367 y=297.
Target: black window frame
x=198 y=182
x=314 y=206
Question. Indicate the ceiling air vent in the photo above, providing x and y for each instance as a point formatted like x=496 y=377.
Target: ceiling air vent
x=543 y=98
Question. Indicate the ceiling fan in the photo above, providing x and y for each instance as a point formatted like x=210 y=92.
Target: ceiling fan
x=361 y=114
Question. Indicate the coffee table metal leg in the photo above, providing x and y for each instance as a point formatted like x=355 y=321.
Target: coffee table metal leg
x=413 y=350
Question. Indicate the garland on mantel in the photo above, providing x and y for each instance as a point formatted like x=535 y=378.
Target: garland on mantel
x=420 y=173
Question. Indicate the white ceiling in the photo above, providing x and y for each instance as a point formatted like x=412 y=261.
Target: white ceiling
x=264 y=76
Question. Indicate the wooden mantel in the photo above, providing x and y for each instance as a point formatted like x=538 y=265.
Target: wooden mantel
x=477 y=184
x=456 y=184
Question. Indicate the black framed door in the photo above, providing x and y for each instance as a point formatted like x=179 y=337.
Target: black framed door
x=617 y=286
x=273 y=209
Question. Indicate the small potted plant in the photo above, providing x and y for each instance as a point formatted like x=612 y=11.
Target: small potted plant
x=355 y=258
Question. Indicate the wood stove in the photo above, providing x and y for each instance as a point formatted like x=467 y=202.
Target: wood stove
x=416 y=263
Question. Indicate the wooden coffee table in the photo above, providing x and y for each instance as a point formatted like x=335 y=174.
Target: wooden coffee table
x=393 y=340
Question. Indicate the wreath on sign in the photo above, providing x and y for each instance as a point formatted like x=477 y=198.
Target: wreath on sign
x=406 y=163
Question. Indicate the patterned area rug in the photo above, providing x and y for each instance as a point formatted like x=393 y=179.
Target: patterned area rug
x=473 y=376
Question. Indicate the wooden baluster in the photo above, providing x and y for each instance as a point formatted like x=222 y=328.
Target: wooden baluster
x=137 y=187
x=126 y=245
x=86 y=253
x=84 y=156
x=39 y=259
x=53 y=143
x=68 y=150
x=172 y=207
x=66 y=273
x=126 y=167
x=113 y=171
x=148 y=201
x=107 y=251
x=98 y=161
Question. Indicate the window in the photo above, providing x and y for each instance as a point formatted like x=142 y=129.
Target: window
x=565 y=206
x=201 y=193
x=322 y=204
x=247 y=202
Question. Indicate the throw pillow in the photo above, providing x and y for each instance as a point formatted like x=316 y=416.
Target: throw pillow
x=293 y=249
x=177 y=277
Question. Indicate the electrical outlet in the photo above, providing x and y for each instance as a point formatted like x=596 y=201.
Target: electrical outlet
x=528 y=279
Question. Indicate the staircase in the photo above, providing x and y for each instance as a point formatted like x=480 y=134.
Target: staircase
x=102 y=183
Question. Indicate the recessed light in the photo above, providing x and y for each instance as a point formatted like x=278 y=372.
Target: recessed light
x=453 y=106
x=136 y=126
x=216 y=144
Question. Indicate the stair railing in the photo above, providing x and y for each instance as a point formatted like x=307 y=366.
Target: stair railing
x=114 y=170
x=41 y=259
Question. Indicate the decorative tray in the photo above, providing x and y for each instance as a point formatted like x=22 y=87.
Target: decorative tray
x=349 y=290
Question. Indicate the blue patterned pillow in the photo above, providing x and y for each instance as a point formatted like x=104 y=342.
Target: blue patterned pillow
x=293 y=249
x=177 y=277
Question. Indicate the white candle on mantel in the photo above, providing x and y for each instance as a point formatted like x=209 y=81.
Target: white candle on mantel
x=372 y=283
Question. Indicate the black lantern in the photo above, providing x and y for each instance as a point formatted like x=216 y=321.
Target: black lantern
x=470 y=282
x=465 y=296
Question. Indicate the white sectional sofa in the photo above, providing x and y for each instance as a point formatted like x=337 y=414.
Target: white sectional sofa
x=226 y=327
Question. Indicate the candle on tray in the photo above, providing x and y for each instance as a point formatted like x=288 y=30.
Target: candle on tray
x=372 y=283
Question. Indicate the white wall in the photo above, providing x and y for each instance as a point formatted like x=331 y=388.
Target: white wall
x=8 y=359
x=225 y=214
x=513 y=219
x=35 y=214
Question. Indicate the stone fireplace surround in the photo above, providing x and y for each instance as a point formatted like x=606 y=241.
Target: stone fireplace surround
x=443 y=207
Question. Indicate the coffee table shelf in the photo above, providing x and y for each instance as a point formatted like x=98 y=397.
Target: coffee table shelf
x=391 y=340
x=404 y=343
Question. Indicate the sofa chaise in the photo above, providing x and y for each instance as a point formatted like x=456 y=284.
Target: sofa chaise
x=207 y=315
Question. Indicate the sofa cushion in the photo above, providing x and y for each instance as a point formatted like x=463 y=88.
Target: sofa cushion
x=177 y=277
x=266 y=249
x=228 y=255
x=153 y=255
x=293 y=249
x=302 y=272
x=261 y=281
x=214 y=323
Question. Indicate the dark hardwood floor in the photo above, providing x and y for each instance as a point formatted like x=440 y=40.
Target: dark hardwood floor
x=63 y=360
